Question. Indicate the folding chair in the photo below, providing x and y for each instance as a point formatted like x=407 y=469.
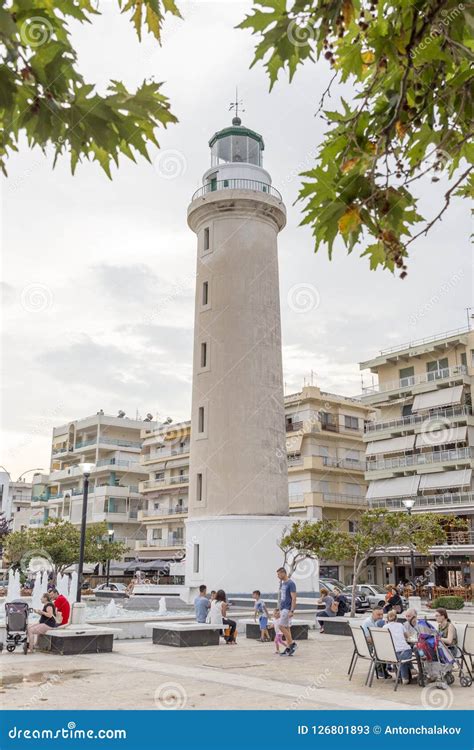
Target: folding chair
x=361 y=650
x=385 y=653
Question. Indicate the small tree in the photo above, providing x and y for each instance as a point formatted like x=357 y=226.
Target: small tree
x=380 y=529
x=310 y=541
x=58 y=542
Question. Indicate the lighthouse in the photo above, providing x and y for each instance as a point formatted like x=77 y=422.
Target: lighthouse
x=238 y=498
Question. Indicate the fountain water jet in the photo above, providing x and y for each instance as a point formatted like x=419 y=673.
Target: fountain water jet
x=37 y=592
x=162 y=607
x=111 y=609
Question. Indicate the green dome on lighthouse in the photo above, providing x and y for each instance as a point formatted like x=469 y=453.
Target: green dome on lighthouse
x=236 y=144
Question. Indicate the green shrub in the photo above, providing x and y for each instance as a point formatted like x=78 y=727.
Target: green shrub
x=448 y=602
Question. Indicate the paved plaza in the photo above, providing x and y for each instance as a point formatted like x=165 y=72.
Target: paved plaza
x=141 y=675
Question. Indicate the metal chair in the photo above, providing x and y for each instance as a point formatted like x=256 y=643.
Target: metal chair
x=384 y=650
x=361 y=650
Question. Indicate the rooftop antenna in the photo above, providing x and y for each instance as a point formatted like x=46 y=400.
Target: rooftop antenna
x=468 y=315
x=235 y=106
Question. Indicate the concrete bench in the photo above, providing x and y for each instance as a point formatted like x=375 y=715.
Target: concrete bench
x=80 y=639
x=184 y=634
x=299 y=629
x=338 y=625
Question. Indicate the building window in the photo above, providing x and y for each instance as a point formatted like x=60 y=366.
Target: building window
x=328 y=421
x=196 y=558
x=437 y=368
x=159 y=475
x=157 y=533
x=201 y=419
x=205 y=293
x=352 y=527
x=406 y=375
x=464 y=359
x=407 y=410
x=206 y=239
x=204 y=354
x=199 y=487
x=351 y=423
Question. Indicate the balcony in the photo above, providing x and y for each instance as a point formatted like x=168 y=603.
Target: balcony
x=163 y=512
x=442 y=502
x=120 y=464
x=236 y=184
x=160 y=543
x=344 y=463
x=462 y=455
x=179 y=480
x=108 y=441
x=294 y=426
x=451 y=412
x=427 y=340
x=407 y=384
x=342 y=499
x=295 y=460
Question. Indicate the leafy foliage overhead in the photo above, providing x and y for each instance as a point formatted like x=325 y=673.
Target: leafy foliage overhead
x=410 y=63
x=44 y=96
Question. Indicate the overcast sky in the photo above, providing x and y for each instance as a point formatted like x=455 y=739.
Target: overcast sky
x=98 y=276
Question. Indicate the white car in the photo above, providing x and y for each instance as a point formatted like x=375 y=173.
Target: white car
x=375 y=594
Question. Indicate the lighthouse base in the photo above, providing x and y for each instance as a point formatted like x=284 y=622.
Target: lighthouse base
x=240 y=554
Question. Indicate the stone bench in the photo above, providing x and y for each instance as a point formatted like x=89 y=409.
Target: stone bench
x=81 y=639
x=299 y=629
x=338 y=625
x=184 y=634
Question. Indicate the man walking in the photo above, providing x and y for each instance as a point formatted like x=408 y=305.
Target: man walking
x=202 y=604
x=287 y=605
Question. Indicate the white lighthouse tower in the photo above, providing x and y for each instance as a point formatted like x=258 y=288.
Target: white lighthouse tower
x=238 y=499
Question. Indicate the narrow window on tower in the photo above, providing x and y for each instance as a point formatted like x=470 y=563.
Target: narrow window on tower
x=199 y=488
x=205 y=293
x=206 y=245
x=196 y=558
x=204 y=354
x=201 y=419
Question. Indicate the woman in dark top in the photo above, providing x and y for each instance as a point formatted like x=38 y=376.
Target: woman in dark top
x=46 y=622
x=393 y=600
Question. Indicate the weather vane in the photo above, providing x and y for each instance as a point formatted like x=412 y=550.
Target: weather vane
x=237 y=104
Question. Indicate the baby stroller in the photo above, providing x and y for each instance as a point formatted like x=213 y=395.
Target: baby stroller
x=16 y=621
x=436 y=661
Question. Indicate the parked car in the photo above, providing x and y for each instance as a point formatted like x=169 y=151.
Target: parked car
x=374 y=594
x=362 y=604
x=111 y=591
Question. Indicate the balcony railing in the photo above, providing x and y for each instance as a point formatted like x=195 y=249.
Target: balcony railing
x=294 y=426
x=428 y=340
x=408 y=383
x=342 y=499
x=236 y=184
x=170 y=542
x=164 y=511
x=344 y=463
x=108 y=441
x=418 y=459
x=295 y=460
x=423 y=502
x=119 y=463
x=179 y=480
x=413 y=419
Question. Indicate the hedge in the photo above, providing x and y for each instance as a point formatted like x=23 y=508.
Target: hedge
x=448 y=602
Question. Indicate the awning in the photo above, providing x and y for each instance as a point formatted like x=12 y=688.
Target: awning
x=394 y=487
x=293 y=444
x=152 y=565
x=440 y=437
x=445 y=479
x=392 y=445
x=441 y=397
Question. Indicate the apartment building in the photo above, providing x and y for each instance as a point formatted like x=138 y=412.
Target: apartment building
x=113 y=446
x=326 y=466
x=15 y=501
x=420 y=446
x=165 y=458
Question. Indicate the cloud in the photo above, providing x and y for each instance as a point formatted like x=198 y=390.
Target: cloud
x=136 y=283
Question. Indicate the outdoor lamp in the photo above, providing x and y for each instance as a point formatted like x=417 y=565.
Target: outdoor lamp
x=409 y=502
x=86 y=469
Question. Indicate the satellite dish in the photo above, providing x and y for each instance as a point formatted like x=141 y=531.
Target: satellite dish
x=121 y=414
x=168 y=420
x=148 y=418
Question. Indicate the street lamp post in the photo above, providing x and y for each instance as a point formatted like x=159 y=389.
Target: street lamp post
x=409 y=503
x=86 y=471
x=111 y=539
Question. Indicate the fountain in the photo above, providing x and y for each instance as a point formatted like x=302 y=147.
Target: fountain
x=37 y=592
x=62 y=585
x=162 y=607
x=111 y=609
x=14 y=588
x=72 y=593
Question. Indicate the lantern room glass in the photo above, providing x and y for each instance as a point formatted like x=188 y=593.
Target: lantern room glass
x=237 y=149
